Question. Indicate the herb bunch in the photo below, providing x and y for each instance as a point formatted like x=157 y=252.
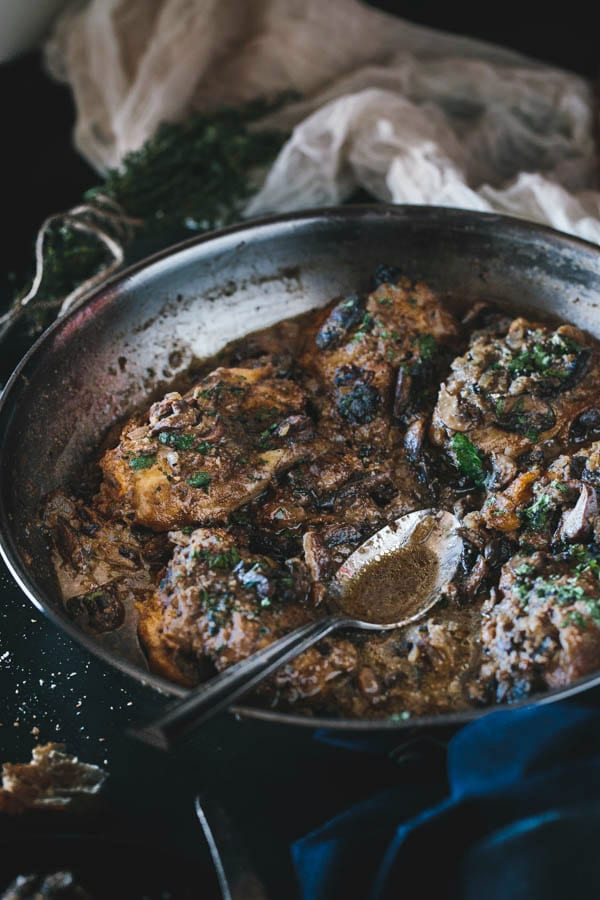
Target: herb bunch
x=188 y=178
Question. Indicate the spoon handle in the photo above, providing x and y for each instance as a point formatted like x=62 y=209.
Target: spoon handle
x=208 y=699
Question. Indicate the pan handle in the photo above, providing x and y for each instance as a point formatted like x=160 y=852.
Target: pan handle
x=205 y=701
x=236 y=877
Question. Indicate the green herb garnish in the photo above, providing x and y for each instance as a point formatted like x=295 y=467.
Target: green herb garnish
x=536 y=516
x=427 y=346
x=223 y=560
x=189 y=177
x=199 y=480
x=178 y=441
x=143 y=461
x=541 y=358
x=468 y=459
x=574 y=618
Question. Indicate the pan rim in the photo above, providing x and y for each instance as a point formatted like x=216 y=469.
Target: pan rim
x=449 y=217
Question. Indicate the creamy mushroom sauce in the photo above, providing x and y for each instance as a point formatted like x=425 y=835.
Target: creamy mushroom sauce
x=224 y=509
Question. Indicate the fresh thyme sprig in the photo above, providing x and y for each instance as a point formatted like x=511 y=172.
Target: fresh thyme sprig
x=187 y=178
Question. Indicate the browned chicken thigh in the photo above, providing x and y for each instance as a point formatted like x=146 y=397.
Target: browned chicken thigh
x=517 y=396
x=373 y=356
x=543 y=629
x=219 y=603
x=195 y=459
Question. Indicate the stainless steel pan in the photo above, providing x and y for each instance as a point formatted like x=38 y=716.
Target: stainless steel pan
x=145 y=326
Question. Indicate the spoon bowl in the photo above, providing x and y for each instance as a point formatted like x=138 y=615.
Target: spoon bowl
x=432 y=538
x=430 y=534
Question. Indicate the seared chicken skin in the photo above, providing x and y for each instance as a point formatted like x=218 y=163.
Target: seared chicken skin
x=519 y=397
x=219 y=603
x=543 y=628
x=197 y=458
x=373 y=356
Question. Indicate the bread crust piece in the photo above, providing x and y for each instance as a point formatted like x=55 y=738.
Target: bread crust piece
x=196 y=458
x=53 y=779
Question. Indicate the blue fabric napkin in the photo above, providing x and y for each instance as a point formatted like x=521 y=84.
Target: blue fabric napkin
x=519 y=819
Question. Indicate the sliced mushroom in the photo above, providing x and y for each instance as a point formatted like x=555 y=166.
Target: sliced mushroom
x=171 y=414
x=402 y=392
x=586 y=426
x=576 y=523
x=341 y=319
x=449 y=410
x=297 y=428
x=525 y=414
x=476 y=576
x=414 y=437
x=498 y=550
x=475 y=312
x=504 y=469
x=318 y=562
x=367 y=682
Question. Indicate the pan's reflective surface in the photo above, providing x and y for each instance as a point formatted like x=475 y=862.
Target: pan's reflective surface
x=151 y=323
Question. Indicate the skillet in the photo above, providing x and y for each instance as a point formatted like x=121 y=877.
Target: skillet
x=132 y=336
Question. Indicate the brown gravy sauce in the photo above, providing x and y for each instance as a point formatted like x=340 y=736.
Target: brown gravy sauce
x=393 y=587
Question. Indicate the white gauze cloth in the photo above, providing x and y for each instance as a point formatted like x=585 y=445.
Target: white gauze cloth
x=410 y=114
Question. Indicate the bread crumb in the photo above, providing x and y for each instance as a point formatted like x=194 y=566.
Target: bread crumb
x=52 y=780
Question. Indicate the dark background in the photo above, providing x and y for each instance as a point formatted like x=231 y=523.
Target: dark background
x=275 y=783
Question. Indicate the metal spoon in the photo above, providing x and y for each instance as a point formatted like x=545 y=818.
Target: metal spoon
x=434 y=530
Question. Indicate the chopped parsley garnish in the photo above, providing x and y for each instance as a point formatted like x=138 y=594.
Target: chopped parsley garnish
x=587 y=559
x=468 y=459
x=224 y=560
x=565 y=592
x=143 y=461
x=95 y=595
x=399 y=717
x=214 y=392
x=266 y=436
x=365 y=326
x=542 y=358
x=593 y=608
x=536 y=516
x=199 y=480
x=178 y=441
x=574 y=617
x=427 y=346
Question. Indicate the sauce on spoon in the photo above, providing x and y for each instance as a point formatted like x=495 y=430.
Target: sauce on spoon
x=393 y=586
